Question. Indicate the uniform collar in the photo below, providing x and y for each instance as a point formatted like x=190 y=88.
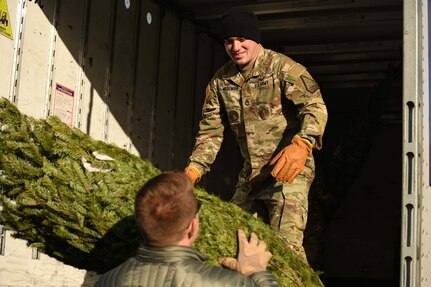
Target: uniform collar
x=256 y=71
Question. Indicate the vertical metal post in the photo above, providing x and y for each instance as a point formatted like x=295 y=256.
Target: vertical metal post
x=411 y=143
x=54 y=35
x=424 y=199
x=81 y=62
x=2 y=239
x=108 y=71
x=21 y=9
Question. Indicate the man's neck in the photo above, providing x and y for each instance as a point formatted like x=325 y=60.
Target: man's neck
x=245 y=70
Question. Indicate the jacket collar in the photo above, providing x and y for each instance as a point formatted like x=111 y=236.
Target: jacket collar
x=168 y=254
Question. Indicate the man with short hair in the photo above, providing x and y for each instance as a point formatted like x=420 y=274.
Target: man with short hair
x=166 y=212
x=277 y=114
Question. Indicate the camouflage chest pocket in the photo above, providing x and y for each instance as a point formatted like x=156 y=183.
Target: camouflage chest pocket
x=266 y=95
x=231 y=98
x=234 y=117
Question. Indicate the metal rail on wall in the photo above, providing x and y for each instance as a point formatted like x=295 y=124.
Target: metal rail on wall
x=411 y=137
x=416 y=197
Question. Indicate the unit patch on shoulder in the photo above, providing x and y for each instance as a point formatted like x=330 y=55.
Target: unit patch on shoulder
x=310 y=84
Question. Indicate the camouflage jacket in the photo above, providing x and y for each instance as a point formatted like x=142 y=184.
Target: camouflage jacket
x=277 y=100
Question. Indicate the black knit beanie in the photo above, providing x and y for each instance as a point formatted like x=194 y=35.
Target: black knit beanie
x=240 y=22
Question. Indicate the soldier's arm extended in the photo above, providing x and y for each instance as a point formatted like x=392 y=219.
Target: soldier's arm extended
x=210 y=135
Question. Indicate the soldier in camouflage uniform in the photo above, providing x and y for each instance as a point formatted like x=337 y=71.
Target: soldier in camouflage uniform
x=277 y=115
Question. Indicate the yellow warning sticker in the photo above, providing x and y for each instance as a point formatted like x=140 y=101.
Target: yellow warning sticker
x=5 y=28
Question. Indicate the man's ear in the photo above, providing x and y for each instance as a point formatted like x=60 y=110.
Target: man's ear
x=193 y=229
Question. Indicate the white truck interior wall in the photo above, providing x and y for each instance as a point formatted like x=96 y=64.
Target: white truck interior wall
x=186 y=77
x=133 y=72
x=166 y=90
x=121 y=76
x=138 y=78
x=145 y=80
x=29 y=90
x=93 y=110
x=18 y=269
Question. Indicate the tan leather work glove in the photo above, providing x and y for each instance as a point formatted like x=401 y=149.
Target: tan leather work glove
x=193 y=174
x=290 y=161
x=252 y=256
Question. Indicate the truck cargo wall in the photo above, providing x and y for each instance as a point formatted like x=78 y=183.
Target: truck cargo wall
x=132 y=76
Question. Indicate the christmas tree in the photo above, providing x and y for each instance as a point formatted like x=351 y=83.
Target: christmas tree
x=72 y=197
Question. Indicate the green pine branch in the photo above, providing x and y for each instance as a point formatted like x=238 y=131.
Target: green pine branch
x=52 y=198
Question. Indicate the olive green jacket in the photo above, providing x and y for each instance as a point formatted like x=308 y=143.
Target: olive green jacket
x=177 y=266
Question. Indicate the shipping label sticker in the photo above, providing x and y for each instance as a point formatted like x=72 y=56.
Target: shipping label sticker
x=64 y=104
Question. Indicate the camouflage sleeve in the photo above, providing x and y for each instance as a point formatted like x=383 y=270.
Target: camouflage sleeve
x=304 y=92
x=210 y=135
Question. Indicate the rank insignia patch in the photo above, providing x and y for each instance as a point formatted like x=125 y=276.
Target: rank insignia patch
x=264 y=112
x=233 y=116
x=310 y=84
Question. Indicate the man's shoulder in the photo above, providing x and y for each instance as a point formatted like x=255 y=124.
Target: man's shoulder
x=271 y=61
x=114 y=277
x=277 y=56
x=226 y=71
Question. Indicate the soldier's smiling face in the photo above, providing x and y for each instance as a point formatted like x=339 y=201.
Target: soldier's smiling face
x=241 y=50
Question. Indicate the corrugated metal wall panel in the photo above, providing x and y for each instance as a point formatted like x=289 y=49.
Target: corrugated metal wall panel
x=204 y=72
x=122 y=75
x=137 y=75
x=145 y=79
x=166 y=91
x=66 y=65
x=184 y=121
x=97 y=48
x=35 y=56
